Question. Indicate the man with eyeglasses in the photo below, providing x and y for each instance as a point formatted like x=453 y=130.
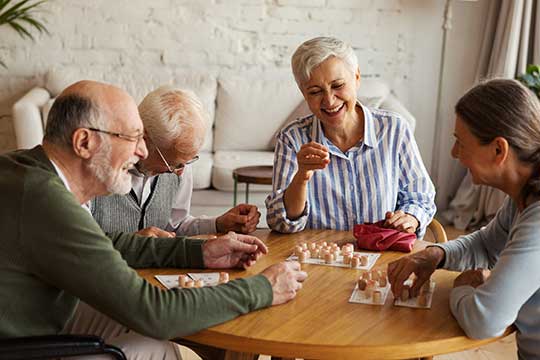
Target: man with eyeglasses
x=175 y=127
x=60 y=273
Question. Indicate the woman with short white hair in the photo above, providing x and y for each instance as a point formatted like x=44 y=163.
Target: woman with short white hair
x=345 y=164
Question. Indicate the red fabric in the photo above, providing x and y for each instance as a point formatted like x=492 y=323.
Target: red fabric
x=376 y=237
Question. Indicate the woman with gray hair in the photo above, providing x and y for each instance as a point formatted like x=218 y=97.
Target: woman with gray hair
x=345 y=164
x=497 y=133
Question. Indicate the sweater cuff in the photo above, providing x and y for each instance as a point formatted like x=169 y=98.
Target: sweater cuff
x=194 y=253
x=261 y=291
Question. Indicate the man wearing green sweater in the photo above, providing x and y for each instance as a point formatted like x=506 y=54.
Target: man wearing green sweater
x=60 y=273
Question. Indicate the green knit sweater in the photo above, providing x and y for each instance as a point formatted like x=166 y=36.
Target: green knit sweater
x=53 y=253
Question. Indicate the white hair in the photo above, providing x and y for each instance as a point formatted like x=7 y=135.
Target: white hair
x=313 y=52
x=172 y=116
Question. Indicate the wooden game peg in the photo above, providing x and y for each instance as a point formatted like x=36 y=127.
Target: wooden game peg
x=370 y=286
x=336 y=254
x=375 y=274
x=366 y=275
x=405 y=293
x=314 y=253
x=362 y=283
x=182 y=280
x=312 y=247
x=363 y=260
x=223 y=277
x=199 y=283
x=384 y=274
x=324 y=244
x=298 y=250
x=383 y=281
x=347 y=259
x=328 y=258
x=423 y=300
x=189 y=284
x=303 y=256
x=304 y=246
x=377 y=296
x=355 y=262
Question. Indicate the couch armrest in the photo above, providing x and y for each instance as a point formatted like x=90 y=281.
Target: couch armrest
x=393 y=104
x=27 y=118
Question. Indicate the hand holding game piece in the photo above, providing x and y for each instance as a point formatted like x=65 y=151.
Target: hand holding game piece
x=422 y=264
x=311 y=156
x=286 y=279
x=232 y=250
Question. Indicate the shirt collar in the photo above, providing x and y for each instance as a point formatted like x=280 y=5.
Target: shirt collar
x=62 y=177
x=370 y=138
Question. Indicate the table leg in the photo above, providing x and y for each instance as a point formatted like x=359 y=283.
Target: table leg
x=247 y=193
x=233 y=355
x=235 y=189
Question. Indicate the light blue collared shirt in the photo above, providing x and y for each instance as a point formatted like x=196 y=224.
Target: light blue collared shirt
x=383 y=172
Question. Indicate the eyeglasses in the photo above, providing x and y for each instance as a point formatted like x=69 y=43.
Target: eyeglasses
x=177 y=167
x=132 y=138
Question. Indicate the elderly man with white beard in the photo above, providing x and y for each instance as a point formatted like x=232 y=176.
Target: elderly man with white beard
x=160 y=199
x=60 y=273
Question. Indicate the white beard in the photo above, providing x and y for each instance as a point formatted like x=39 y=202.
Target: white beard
x=118 y=182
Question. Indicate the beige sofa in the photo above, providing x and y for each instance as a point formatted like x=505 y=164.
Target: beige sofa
x=245 y=114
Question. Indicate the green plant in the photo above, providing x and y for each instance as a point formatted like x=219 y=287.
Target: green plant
x=531 y=79
x=20 y=16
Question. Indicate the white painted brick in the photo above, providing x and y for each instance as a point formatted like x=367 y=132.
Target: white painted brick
x=353 y=4
x=140 y=44
x=304 y=3
x=288 y=13
x=252 y=12
x=344 y=16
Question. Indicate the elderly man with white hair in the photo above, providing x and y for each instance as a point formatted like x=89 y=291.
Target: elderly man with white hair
x=60 y=273
x=174 y=122
x=346 y=163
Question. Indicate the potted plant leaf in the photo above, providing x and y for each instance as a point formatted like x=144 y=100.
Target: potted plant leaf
x=20 y=16
x=531 y=79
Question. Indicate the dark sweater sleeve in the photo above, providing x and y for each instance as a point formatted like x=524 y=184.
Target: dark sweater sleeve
x=142 y=252
x=66 y=248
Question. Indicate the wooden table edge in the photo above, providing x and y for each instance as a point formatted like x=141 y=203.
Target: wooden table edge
x=316 y=351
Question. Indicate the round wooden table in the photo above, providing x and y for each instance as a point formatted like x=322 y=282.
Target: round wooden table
x=261 y=175
x=320 y=323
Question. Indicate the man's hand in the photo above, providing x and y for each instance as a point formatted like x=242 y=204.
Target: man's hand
x=401 y=221
x=153 y=231
x=232 y=251
x=242 y=218
x=286 y=279
x=473 y=278
x=311 y=156
x=422 y=264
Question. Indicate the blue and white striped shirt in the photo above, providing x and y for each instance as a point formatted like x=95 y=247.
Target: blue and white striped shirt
x=383 y=172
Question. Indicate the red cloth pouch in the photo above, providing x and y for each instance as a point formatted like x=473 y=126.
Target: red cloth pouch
x=376 y=237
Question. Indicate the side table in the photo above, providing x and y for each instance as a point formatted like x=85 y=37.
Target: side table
x=261 y=175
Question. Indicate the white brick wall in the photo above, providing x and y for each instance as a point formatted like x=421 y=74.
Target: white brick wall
x=135 y=42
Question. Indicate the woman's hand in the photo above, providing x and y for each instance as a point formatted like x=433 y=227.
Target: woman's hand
x=401 y=221
x=311 y=156
x=422 y=264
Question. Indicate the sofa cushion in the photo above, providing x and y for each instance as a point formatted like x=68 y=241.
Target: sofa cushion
x=226 y=161
x=250 y=110
x=202 y=171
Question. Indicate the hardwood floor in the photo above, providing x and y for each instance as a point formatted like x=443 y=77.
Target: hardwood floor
x=502 y=350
